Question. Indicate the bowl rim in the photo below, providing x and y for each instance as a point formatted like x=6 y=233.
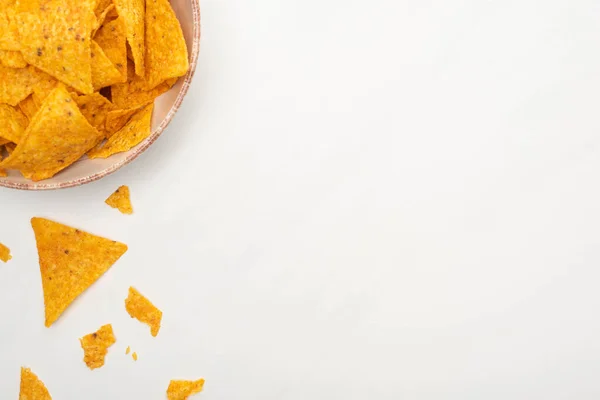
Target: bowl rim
x=147 y=142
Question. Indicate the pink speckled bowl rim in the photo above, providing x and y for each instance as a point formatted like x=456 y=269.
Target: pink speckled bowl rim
x=145 y=144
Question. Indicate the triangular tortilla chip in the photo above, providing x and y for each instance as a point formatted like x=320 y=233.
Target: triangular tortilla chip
x=104 y=73
x=100 y=18
x=64 y=54
x=121 y=200
x=132 y=12
x=166 y=51
x=181 y=390
x=32 y=388
x=132 y=134
x=70 y=261
x=111 y=38
x=12 y=123
x=57 y=137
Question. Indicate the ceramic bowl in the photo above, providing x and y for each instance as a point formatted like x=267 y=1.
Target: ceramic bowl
x=165 y=107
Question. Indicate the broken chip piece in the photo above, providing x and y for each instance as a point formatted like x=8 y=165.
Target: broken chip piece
x=70 y=261
x=134 y=356
x=95 y=346
x=12 y=123
x=143 y=310
x=181 y=390
x=4 y=253
x=127 y=350
x=32 y=388
x=121 y=200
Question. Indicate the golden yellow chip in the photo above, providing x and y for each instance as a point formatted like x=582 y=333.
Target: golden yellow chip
x=32 y=388
x=95 y=346
x=132 y=12
x=12 y=59
x=28 y=107
x=132 y=134
x=121 y=200
x=55 y=37
x=143 y=310
x=16 y=84
x=117 y=119
x=104 y=73
x=166 y=51
x=101 y=6
x=12 y=123
x=70 y=261
x=127 y=350
x=181 y=390
x=132 y=93
x=44 y=86
x=4 y=253
x=57 y=137
x=112 y=39
x=95 y=109
x=134 y=356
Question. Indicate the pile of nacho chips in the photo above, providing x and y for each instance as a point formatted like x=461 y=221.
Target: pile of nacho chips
x=79 y=77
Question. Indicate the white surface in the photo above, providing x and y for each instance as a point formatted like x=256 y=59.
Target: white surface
x=358 y=200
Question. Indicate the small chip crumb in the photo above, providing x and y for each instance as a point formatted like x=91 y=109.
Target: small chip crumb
x=181 y=390
x=143 y=310
x=121 y=200
x=4 y=253
x=134 y=355
x=95 y=346
x=127 y=350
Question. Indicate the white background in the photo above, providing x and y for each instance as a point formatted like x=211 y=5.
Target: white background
x=357 y=200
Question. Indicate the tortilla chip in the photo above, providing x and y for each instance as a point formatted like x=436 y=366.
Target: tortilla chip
x=101 y=6
x=12 y=59
x=117 y=119
x=44 y=86
x=32 y=388
x=57 y=137
x=55 y=38
x=70 y=261
x=111 y=37
x=4 y=253
x=134 y=356
x=104 y=73
x=121 y=200
x=132 y=12
x=95 y=346
x=12 y=123
x=132 y=134
x=28 y=107
x=143 y=310
x=95 y=109
x=181 y=390
x=127 y=350
x=132 y=93
x=166 y=51
x=16 y=84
